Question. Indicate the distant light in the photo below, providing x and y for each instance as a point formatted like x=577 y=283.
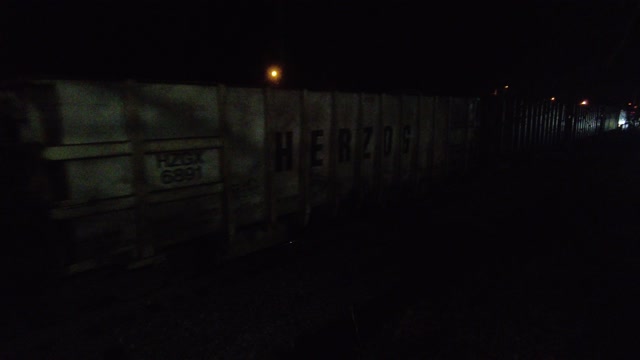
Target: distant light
x=495 y=92
x=622 y=119
x=506 y=86
x=274 y=74
x=553 y=98
x=635 y=107
x=629 y=104
x=584 y=102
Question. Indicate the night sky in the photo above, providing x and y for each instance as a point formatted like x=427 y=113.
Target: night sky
x=540 y=48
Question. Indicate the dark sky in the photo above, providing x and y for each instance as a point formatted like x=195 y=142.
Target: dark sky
x=582 y=48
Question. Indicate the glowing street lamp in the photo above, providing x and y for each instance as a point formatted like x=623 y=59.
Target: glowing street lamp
x=274 y=74
x=584 y=102
x=553 y=98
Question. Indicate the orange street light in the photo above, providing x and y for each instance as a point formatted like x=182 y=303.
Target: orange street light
x=274 y=74
x=584 y=102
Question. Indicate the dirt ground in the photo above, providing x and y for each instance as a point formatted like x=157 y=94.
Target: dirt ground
x=536 y=258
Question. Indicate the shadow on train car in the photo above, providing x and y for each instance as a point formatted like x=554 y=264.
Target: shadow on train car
x=30 y=247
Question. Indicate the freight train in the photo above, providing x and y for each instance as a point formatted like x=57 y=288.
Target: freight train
x=103 y=173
